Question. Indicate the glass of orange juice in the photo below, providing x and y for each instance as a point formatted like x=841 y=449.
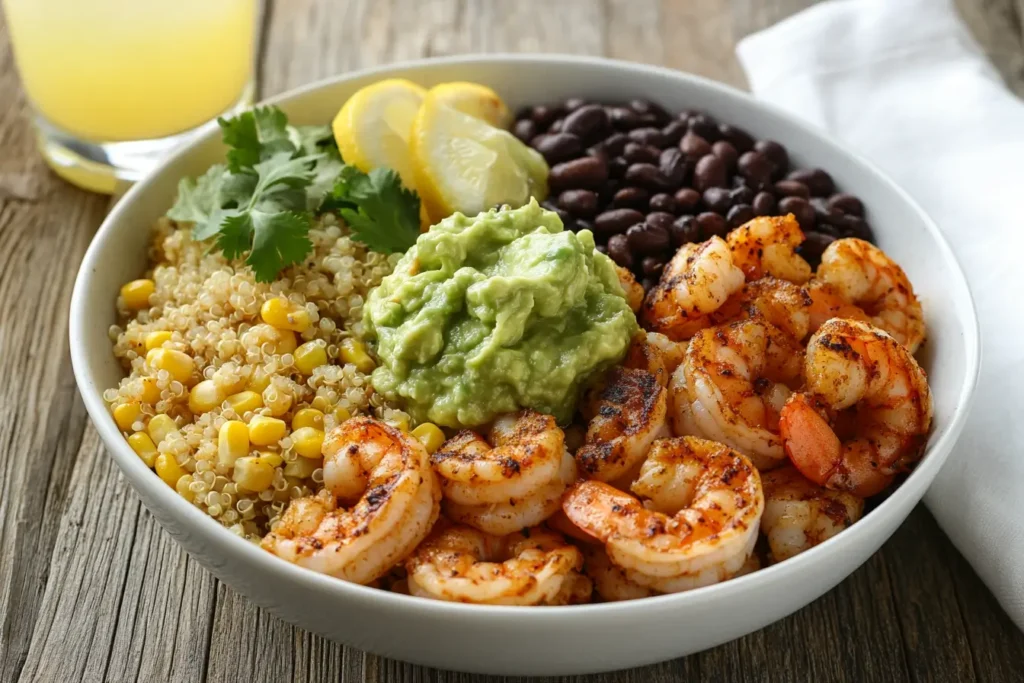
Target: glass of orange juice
x=116 y=83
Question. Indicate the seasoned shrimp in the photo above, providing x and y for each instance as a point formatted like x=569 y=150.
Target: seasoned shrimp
x=633 y=289
x=713 y=501
x=826 y=303
x=695 y=283
x=611 y=582
x=399 y=503
x=767 y=246
x=867 y=387
x=864 y=276
x=460 y=564
x=732 y=385
x=783 y=304
x=627 y=412
x=799 y=514
x=655 y=353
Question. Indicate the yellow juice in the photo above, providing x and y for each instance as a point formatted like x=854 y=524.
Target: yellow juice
x=116 y=70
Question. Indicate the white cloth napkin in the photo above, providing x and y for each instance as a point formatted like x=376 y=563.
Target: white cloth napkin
x=904 y=84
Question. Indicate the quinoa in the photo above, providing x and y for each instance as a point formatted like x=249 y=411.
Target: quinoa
x=212 y=309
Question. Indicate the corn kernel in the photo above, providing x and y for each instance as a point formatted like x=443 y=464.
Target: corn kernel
x=143 y=447
x=259 y=381
x=175 y=362
x=136 y=294
x=264 y=431
x=228 y=383
x=308 y=417
x=232 y=442
x=253 y=473
x=399 y=423
x=310 y=356
x=204 y=397
x=126 y=414
x=430 y=435
x=307 y=441
x=154 y=340
x=320 y=403
x=284 y=315
x=150 y=390
x=302 y=468
x=277 y=401
x=285 y=342
x=160 y=427
x=168 y=469
x=271 y=458
x=354 y=351
x=340 y=415
x=245 y=401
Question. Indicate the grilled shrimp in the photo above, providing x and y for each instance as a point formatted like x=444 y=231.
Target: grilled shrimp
x=864 y=276
x=779 y=302
x=799 y=514
x=634 y=290
x=732 y=385
x=767 y=246
x=709 y=504
x=399 y=503
x=627 y=413
x=827 y=303
x=610 y=581
x=866 y=413
x=695 y=283
x=460 y=564
x=655 y=353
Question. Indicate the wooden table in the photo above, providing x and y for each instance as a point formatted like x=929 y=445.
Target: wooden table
x=91 y=589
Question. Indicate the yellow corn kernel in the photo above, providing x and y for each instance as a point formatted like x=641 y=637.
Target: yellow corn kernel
x=259 y=381
x=286 y=342
x=154 y=340
x=177 y=363
x=301 y=467
x=310 y=356
x=150 y=390
x=264 y=431
x=253 y=473
x=307 y=441
x=136 y=294
x=245 y=401
x=160 y=427
x=204 y=397
x=276 y=400
x=320 y=403
x=168 y=469
x=354 y=351
x=182 y=487
x=399 y=423
x=284 y=315
x=308 y=417
x=340 y=415
x=143 y=447
x=126 y=414
x=228 y=383
x=271 y=458
x=232 y=442
x=430 y=435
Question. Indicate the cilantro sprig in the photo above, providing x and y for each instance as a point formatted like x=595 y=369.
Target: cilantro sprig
x=276 y=181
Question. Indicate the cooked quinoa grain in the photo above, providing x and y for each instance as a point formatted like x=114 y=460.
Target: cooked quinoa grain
x=232 y=363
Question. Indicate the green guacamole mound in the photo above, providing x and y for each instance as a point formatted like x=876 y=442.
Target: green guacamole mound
x=494 y=313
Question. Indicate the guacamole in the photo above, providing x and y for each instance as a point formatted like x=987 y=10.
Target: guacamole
x=490 y=314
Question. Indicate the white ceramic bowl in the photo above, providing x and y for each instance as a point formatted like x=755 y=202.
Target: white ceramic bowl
x=552 y=640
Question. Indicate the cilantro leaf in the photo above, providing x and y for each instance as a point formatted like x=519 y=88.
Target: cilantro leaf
x=254 y=136
x=312 y=139
x=278 y=241
x=235 y=235
x=381 y=213
x=198 y=198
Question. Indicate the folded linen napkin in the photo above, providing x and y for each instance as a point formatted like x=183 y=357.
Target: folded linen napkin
x=904 y=84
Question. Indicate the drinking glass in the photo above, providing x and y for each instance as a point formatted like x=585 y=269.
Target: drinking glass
x=115 y=84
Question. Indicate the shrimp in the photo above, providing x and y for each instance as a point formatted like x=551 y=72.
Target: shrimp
x=799 y=514
x=610 y=581
x=399 y=503
x=867 y=410
x=627 y=413
x=633 y=290
x=864 y=276
x=695 y=283
x=655 y=353
x=732 y=385
x=826 y=303
x=783 y=304
x=767 y=246
x=460 y=564
x=709 y=502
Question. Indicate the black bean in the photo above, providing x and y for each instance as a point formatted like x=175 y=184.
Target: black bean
x=823 y=213
x=709 y=172
x=791 y=188
x=660 y=219
x=649 y=283
x=631 y=197
x=687 y=199
x=756 y=168
x=776 y=154
x=615 y=221
x=694 y=146
x=764 y=204
x=580 y=203
x=525 y=130
x=740 y=214
x=662 y=202
x=562 y=213
x=582 y=173
x=647 y=175
x=801 y=210
x=726 y=151
x=648 y=108
x=652 y=266
x=645 y=238
x=601 y=248
x=717 y=199
x=558 y=147
x=584 y=224
x=817 y=181
x=739 y=138
x=741 y=195
x=855 y=226
x=685 y=230
x=673 y=132
x=607 y=192
x=648 y=136
x=618 y=249
x=636 y=153
x=617 y=167
x=674 y=166
x=586 y=121
x=704 y=126
x=598 y=150
x=686 y=114
x=574 y=103
x=814 y=246
x=615 y=143
x=623 y=118
x=847 y=203
x=543 y=116
x=711 y=224
x=556 y=127
x=829 y=229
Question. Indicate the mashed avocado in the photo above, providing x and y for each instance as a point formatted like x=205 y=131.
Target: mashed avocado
x=494 y=313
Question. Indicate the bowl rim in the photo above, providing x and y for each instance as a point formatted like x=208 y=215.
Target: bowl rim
x=270 y=565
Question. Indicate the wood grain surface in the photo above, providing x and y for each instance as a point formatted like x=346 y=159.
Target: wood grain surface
x=92 y=590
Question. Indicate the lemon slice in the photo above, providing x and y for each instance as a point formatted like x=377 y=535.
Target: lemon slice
x=465 y=164
x=476 y=100
x=373 y=127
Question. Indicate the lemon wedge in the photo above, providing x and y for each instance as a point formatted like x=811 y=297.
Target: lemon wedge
x=373 y=127
x=476 y=100
x=465 y=164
